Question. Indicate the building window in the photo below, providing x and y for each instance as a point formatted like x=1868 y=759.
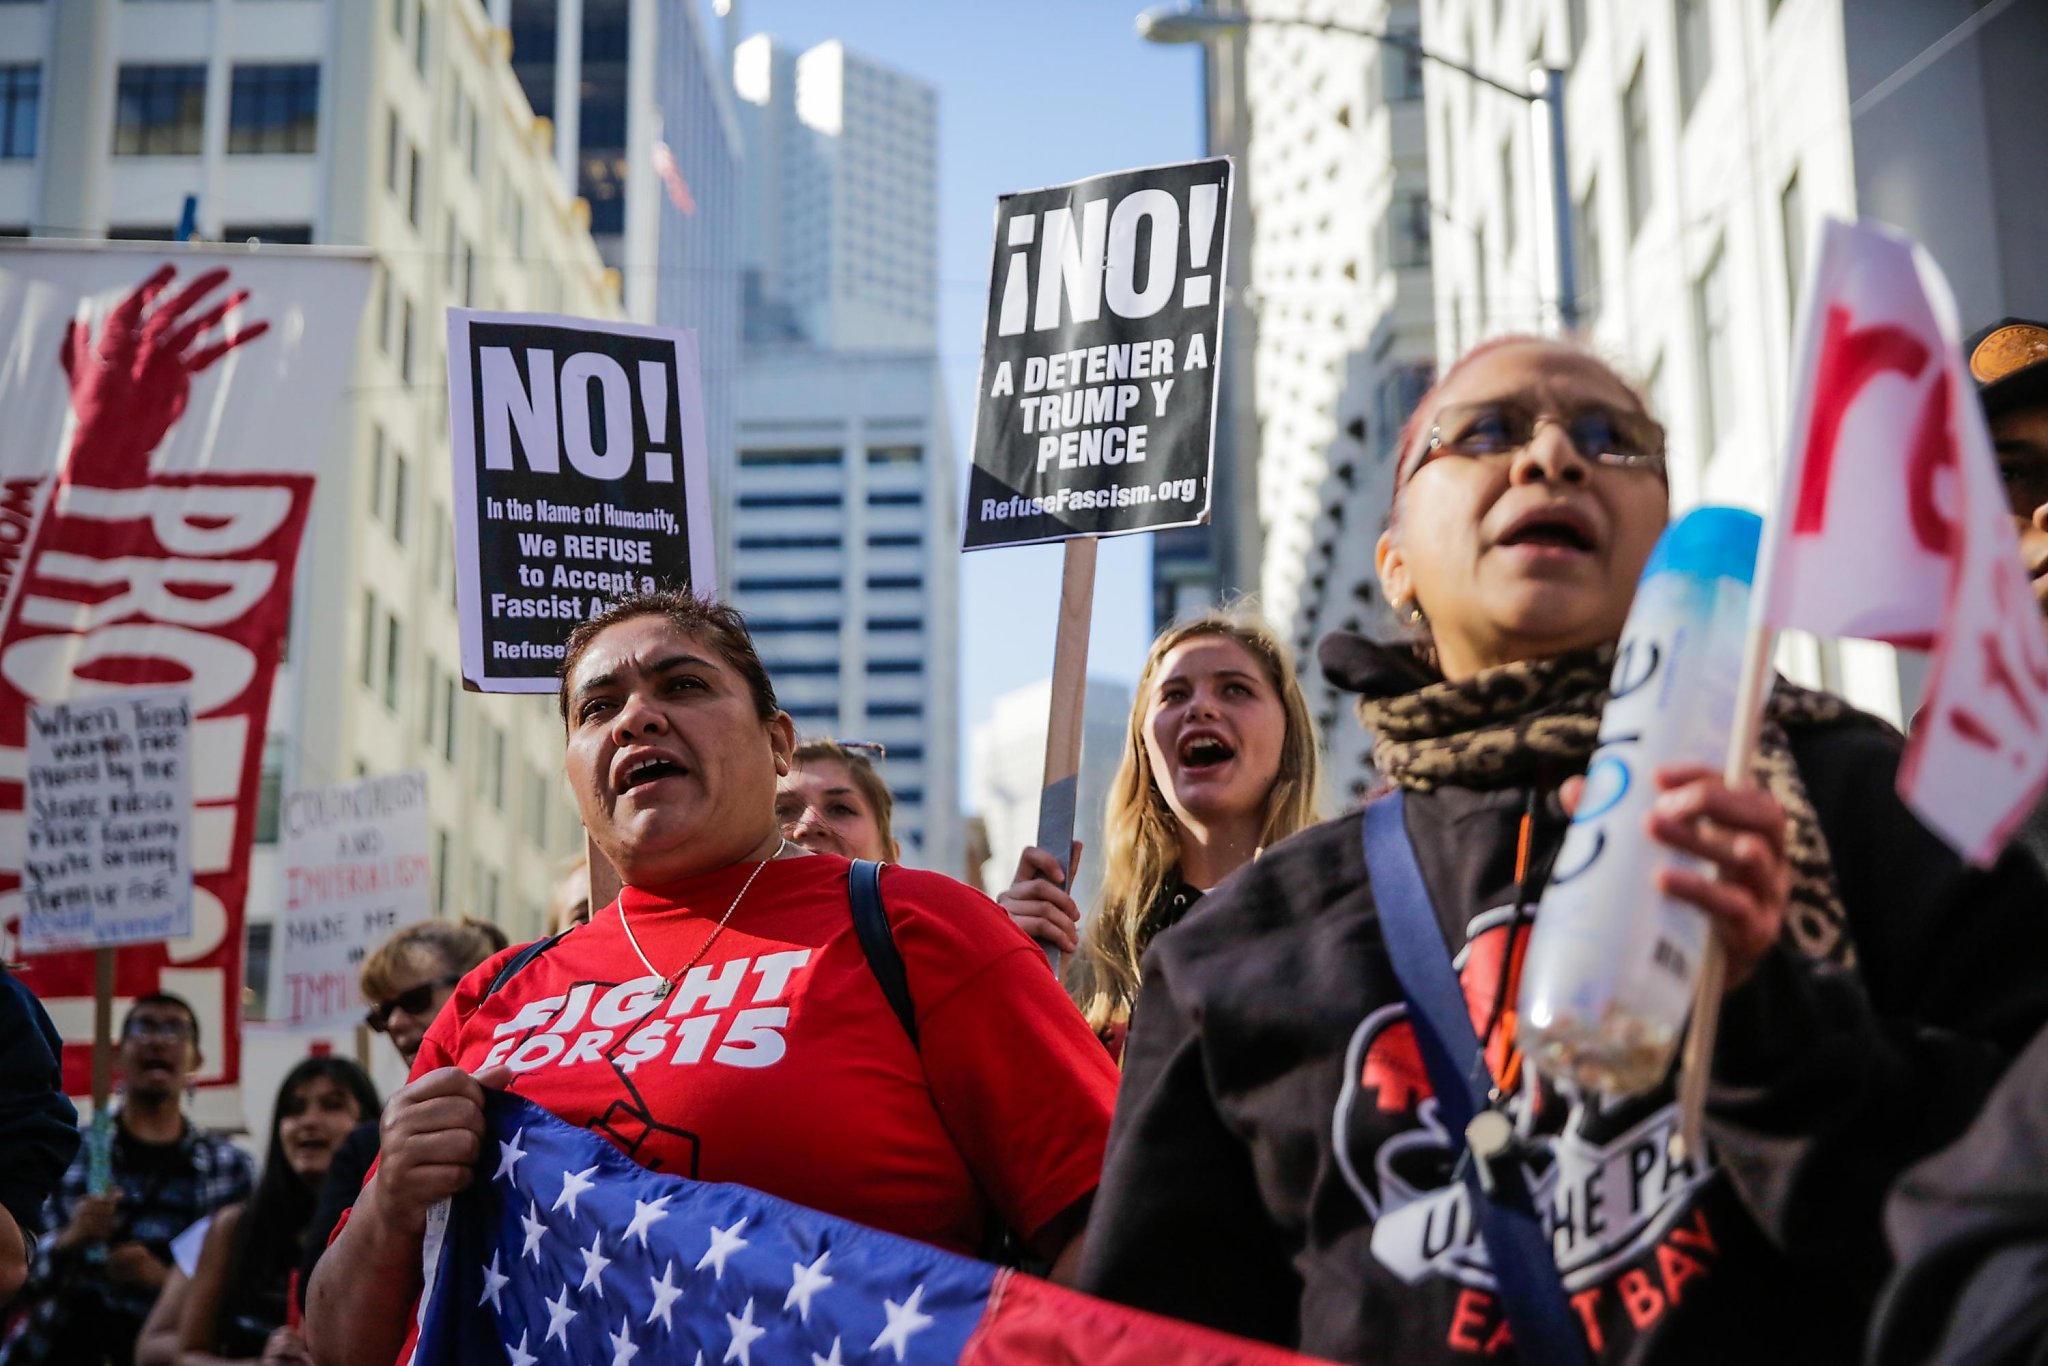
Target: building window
x=376 y=473
x=419 y=37
x=274 y=234
x=368 y=673
x=1509 y=219
x=1712 y=341
x=160 y=111
x=896 y=709
x=911 y=499
x=1575 y=26
x=1410 y=228
x=771 y=626
x=887 y=581
x=494 y=769
x=895 y=666
x=804 y=668
x=895 y=540
x=393 y=150
x=1695 y=51
x=1635 y=134
x=394 y=638
x=1792 y=223
x=414 y=203
x=21 y=98
x=1586 y=232
x=443 y=856
x=792 y=542
x=447 y=717
x=270 y=789
x=1401 y=60
x=274 y=109
x=893 y=625
x=783 y=459
x=405 y=340
x=787 y=584
x=895 y=455
x=400 y=495
x=430 y=713
x=789 y=500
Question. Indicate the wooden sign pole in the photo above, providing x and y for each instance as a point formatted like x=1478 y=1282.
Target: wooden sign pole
x=102 y=1029
x=1060 y=792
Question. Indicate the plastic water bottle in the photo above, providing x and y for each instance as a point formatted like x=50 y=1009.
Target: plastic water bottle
x=1613 y=962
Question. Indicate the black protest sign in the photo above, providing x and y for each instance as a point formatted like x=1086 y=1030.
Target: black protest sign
x=580 y=477
x=1096 y=412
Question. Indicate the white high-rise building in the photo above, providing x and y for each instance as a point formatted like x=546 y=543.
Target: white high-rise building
x=846 y=523
x=1336 y=191
x=1706 y=139
x=1009 y=773
x=397 y=127
x=841 y=220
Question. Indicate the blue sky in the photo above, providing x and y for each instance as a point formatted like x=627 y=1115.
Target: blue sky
x=1031 y=92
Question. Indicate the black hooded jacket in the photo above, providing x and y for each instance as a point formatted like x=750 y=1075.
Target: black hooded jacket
x=1273 y=1170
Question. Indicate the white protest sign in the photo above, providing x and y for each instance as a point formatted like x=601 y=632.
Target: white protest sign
x=108 y=856
x=355 y=869
x=580 y=477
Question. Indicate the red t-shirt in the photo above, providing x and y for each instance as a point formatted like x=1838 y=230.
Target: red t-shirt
x=777 y=1062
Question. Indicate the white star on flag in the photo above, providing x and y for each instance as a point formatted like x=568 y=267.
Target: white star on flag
x=594 y=1263
x=560 y=1316
x=744 y=1333
x=520 y=1356
x=573 y=1185
x=496 y=1281
x=805 y=1282
x=623 y=1349
x=666 y=1293
x=904 y=1319
x=508 y=1157
x=724 y=1242
x=646 y=1213
x=535 y=1227
x=832 y=1360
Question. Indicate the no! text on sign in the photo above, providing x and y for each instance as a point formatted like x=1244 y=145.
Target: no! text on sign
x=580 y=477
x=108 y=839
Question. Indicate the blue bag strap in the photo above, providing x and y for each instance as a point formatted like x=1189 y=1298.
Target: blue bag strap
x=878 y=941
x=516 y=964
x=1524 y=1267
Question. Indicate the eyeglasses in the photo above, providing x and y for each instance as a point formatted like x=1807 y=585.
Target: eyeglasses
x=1613 y=437
x=158 y=1031
x=415 y=1001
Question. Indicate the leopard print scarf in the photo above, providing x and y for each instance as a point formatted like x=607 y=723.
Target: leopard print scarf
x=1518 y=722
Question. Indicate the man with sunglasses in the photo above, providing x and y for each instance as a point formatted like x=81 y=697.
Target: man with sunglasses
x=96 y=1278
x=406 y=979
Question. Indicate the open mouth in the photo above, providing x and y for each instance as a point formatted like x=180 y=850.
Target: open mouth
x=1559 y=529
x=651 y=769
x=1199 y=753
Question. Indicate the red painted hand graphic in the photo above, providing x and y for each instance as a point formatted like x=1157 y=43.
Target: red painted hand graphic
x=131 y=388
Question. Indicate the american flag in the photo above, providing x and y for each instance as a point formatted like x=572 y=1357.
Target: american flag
x=571 y=1252
x=672 y=178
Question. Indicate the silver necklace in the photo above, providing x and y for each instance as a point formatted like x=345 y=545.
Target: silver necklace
x=668 y=984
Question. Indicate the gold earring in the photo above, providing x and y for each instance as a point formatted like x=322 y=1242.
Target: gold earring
x=1412 y=610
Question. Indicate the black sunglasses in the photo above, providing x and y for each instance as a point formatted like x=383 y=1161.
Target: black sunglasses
x=416 y=1001
x=1614 y=437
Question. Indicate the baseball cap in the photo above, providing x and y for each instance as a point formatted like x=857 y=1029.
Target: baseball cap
x=2009 y=361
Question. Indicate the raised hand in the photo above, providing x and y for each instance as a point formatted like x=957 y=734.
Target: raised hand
x=130 y=387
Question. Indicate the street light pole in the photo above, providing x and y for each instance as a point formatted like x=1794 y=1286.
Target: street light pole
x=1195 y=24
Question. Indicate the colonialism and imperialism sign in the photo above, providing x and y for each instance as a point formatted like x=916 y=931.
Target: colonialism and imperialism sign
x=1097 y=403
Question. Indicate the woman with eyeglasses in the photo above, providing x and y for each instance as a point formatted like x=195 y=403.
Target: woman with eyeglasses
x=833 y=801
x=407 y=979
x=236 y=1303
x=1280 y=1166
x=1220 y=762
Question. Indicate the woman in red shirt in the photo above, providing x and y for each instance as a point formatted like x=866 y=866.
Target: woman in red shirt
x=720 y=1020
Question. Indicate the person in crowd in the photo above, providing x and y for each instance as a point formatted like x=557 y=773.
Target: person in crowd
x=407 y=979
x=38 y=1127
x=832 y=801
x=1279 y=1169
x=97 y=1275
x=162 y=1337
x=569 y=901
x=1221 y=762
x=237 y=1306
x=1969 y=1226
x=997 y=1110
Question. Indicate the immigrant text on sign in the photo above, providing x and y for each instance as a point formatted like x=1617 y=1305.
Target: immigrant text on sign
x=580 y=477
x=1097 y=402
x=108 y=857
x=355 y=869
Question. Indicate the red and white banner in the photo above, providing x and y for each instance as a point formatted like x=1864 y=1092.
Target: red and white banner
x=1893 y=525
x=166 y=412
